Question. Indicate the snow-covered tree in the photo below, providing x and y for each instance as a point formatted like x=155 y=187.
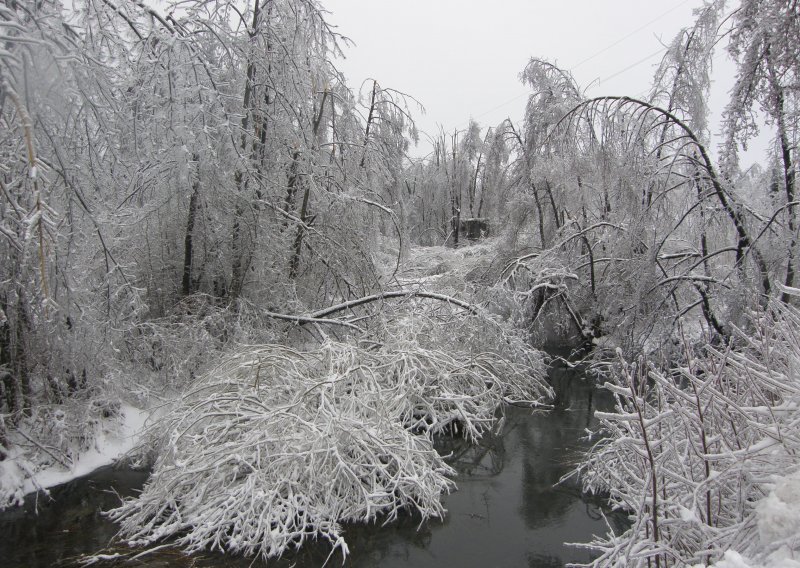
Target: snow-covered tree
x=764 y=44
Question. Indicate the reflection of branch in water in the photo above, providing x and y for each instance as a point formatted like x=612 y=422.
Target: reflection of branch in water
x=470 y=459
x=596 y=506
x=593 y=512
x=544 y=561
x=485 y=497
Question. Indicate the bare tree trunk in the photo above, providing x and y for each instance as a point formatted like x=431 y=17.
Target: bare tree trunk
x=552 y=203
x=8 y=381
x=789 y=181
x=188 y=241
x=474 y=187
x=291 y=185
x=305 y=219
x=19 y=362
x=455 y=196
x=238 y=248
x=483 y=192
x=587 y=246
x=370 y=118
x=294 y=261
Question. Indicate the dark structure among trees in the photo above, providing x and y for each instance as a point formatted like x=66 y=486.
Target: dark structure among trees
x=474 y=229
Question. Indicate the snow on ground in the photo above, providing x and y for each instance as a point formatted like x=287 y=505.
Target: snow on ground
x=109 y=445
x=778 y=520
x=18 y=476
x=447 y=269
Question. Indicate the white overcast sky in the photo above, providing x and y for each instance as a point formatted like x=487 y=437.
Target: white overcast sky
x=462 y=58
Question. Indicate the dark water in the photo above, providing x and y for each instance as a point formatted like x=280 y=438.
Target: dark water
x=507 y=512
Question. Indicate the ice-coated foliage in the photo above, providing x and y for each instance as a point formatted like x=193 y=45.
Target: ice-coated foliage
x=691 y=450
x=682 y=80
x=179 y=181
x=162 y=171
x=276 y=446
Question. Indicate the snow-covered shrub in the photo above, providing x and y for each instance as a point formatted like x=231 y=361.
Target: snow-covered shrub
x=170 y=352
x=51 y=441
x=277 y=446
x=264 y=464
x=459 y=387
x=691 y=451
x=66 y=430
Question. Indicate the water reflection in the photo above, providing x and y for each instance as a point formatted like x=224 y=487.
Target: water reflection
x=507 y=510
x=48 y=532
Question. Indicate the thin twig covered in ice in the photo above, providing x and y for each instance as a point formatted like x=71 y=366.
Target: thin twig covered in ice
x=690 y=450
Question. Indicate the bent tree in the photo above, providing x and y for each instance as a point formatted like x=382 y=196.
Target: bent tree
x=763 y=43
x=645 y=193
x=700 y=434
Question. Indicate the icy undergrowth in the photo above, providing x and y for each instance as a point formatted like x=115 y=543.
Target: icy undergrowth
x=704 y=455
x=777 y=518
x=65 y=444
x=278 y=446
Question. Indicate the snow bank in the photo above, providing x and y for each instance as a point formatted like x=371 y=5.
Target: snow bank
x=778 y=519
x=112 y=442
x=116 y=435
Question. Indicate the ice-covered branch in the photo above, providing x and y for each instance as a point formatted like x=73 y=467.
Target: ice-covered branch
x=394 y=294
x=277 y=446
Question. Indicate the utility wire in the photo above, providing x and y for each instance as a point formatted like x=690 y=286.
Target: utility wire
x=597 y=54
x=636 y=64
x=634 y=32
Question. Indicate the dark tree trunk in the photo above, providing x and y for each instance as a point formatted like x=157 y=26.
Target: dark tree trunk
x=291 y=185
x=305 y=218
x=188 y=241
x=240 y=250
x=789 y=181
x=455 y=197
x=294 y=263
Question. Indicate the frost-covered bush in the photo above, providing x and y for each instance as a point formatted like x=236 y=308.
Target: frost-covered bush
x=277 y=446
x=68 y=429
x=52 y=440
x=457 y=371
x=691 y=451
x=170 y=352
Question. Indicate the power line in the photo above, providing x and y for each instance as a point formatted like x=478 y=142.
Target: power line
x=634 y=32
x=597 y=54
x=501 y=105
x=599 y=81
x=636 y=64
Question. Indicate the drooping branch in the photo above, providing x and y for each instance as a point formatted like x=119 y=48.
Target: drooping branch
x=321 y=316
x=300 y=320
x=607 y=105
x=395 y=294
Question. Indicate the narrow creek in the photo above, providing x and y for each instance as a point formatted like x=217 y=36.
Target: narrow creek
x=507 y=512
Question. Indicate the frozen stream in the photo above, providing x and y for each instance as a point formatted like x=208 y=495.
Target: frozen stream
x=506 y=511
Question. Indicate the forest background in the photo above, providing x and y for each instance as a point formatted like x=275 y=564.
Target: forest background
x=178 y=184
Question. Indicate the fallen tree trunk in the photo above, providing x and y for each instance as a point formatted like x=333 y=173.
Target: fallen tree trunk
x=320 y=316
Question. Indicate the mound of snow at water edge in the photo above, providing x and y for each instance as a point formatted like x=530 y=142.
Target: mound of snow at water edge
x=114 y=436
x=778 y=519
